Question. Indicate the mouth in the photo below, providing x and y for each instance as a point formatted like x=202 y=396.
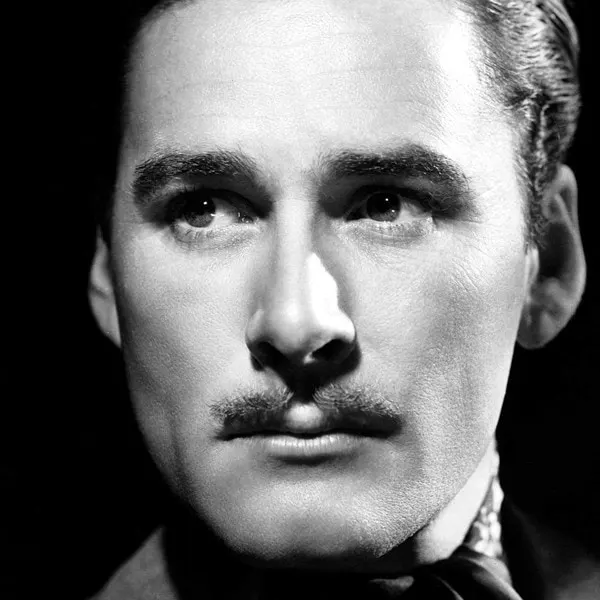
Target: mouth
x=304 y=449
x=306 y=433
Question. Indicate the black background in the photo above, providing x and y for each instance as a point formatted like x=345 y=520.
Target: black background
x=81 y=491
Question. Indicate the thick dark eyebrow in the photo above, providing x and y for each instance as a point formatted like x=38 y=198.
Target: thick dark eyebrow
x=156 y=172
x=411 y=161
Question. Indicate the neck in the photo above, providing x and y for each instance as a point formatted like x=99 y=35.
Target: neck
x=442 y=536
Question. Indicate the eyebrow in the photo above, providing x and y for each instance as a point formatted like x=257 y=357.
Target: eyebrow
x=411 y=161
x=158 y=171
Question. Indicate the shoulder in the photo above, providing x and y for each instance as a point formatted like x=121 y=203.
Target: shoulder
x=143 y=577
x=546 y=562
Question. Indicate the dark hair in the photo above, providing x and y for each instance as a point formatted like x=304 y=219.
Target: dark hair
x=530 y=56
x=529 y=59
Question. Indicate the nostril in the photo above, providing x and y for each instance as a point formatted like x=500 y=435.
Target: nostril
x=268 y=355
x=264 y=349
x=332 y=351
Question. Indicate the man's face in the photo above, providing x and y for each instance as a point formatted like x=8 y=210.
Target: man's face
x=316 y=197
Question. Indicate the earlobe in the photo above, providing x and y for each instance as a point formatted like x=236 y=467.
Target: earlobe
x=557 y=266
x=101 y=293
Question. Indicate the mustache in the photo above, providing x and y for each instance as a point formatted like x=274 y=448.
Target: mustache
x=353 y=406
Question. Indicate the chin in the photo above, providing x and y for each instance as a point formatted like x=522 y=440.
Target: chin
x=310 y=544
x=309 y=528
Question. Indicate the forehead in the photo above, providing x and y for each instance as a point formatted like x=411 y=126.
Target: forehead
x=292 y=79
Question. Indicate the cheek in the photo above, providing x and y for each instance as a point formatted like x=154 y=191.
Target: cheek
x=175 y=323
x=442 y=328
x=182 y=328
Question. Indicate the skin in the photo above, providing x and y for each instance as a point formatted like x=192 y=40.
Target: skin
x=427 y=312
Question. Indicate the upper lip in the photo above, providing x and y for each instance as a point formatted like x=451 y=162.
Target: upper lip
x=277 y=422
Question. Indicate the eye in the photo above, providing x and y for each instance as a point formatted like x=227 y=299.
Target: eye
x=209 y=209
x=388 y=205
x=383 y=206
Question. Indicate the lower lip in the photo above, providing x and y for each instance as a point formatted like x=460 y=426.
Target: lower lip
x=302 y=449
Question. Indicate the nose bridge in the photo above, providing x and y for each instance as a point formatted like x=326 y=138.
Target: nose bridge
x=298 y=287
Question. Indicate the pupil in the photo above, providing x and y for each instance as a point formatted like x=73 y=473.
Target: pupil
x=199 y=212
x=383 y=206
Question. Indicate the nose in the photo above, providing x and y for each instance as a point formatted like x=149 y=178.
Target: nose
x=298 y=321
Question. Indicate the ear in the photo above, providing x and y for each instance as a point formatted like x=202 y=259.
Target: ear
x=557 y=266
x=101 y=292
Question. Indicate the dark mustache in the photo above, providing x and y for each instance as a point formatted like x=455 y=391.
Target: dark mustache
x=258 y=409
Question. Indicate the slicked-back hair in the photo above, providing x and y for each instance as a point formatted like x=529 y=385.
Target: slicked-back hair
x=530 y=56
x=529 y=51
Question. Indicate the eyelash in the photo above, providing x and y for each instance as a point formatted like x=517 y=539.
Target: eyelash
x=190 y=235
